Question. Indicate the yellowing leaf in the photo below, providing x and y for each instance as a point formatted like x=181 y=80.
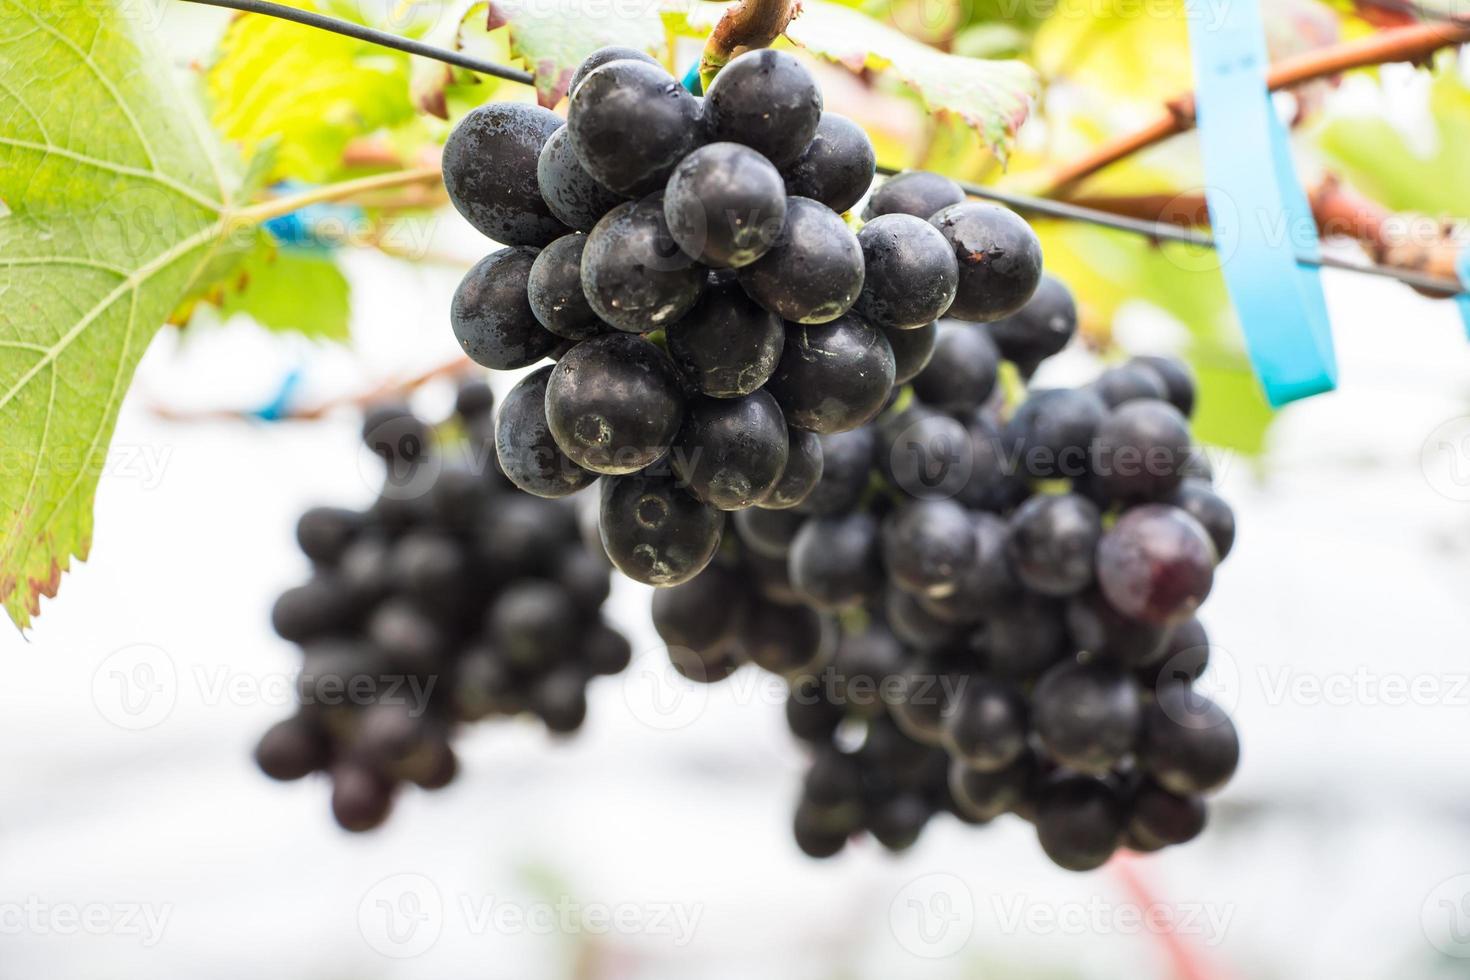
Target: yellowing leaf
x=118 y=195
x=311 y=91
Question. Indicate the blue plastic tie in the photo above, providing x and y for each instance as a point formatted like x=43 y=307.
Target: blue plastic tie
x=1258 y=210
x=316 y=227
x=280 y=404
x=691 y=79
x=1462 y=269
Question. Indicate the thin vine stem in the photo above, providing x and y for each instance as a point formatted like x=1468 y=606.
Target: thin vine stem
x=374 y=36
x=277 y=206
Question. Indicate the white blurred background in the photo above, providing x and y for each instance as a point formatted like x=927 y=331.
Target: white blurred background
x=137 y=838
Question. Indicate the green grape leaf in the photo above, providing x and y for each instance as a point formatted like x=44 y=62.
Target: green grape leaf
x=992 y=97
x=553 y=47
x=289 y=290
x=312 y=91
x=1420 y=173
x=119 y=197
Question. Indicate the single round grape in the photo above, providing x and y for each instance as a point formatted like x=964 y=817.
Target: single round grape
x=654 y=531
x=998 y=481
x=1079 y=821
x=554 y=290
x=1100 y=630
x=491 y=313
x=835 y=560
x=584 y=576
x=1025 y=638
x=630 y=122
x=846 y=460
x=863 y=667
x=324 y=533
x=837 y=167
x=320 y=606
x=727 y=346
x=1181 y=659
x=1189 y=743
x=600 y=57
x=928 y=545
x=521 y=535
x=983 y=795
x=569 y=190
x=961 y=375
x=427 y=565
x=1195 y=498
x=912 y=350
x=633 y=274
x=922 y=695
x=474 y=400
x=1156 y=564
x=1159 y=817
x=1053 y=542
x=408 y=634
x=725 y=205
x=769 y=533
x=605 y=651
x=986 y=725
x=767 y=100
x=1140 y=450
x=707 y=666
x=1088 y=715
x=730 y=451
x=1039 y=329
x=804 y=466
x=813 y=838
x=924 y=453
x=833 y=376
x=784 y=640
x=1051 y=434
x=1129 y=382
x=999 y=259
x=896 y=823
x=810 y=715
x=702 y=613
x=489 y=164
x=916 y=192
x=986 y=585
x=613 y=404
x=769 y=578
x=528 y=454
x=292 y=748
x=834 y=779
x=813 y=273
x=559 y=699
x=909 y=618
x=909 y=272
x=361 y=798
x=1178 y=380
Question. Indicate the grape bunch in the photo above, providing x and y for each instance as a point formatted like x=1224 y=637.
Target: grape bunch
x=712 y=316
x=1006 y=597
x=455 y=597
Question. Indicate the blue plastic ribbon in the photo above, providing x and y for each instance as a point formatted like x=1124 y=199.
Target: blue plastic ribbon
x=316 y=227
x=280 y=404
x=1462 y=269
x=691 y=79
x=1260 y=215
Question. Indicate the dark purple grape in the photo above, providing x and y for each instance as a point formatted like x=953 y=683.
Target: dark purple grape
x=897 y=822
x=613 y=404
x=833 y=376
x=600 y=57
x=767 y=100
x=810 y=714
x=1178 y=381
x=361 y=798
x=769 y=533
x=633 y=275
x=1180 y=659
x=554 y=290
x=912 y=350
x=909 y=272
x=837 y=167
x=654 y=531
x=727 y=346
x=987 y=585
x=1025 y=638
x=999 y=259
x=847 y=458
x=835 y=561
x=492 y=316
x=1158 y=817
x=1053 y=542
x=324 y=533
x=863 y=666
x=731 y=451
x=1100 y=630
x=725 y=205
x=804 y=467
x=916 y=192
x=1088 y=715
x=1051 y=435
x=321 y=606
x=1129 y=382
x=983 y=795
x=1039 y=329
x=292 y=748
x=785 y=640
x=630 y=122
x=1156 y=564
x=1140 y=450
x=915 y=626
x=813 y=273
x=1079 y=821
x=928 y=545
x=569 y=190
x=961 y=375
x=489 y=164
x=1189 y=744
x=986 y=725
x=1196 y=498
x=605 y=650
x=473 y=400
x=528 y=454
